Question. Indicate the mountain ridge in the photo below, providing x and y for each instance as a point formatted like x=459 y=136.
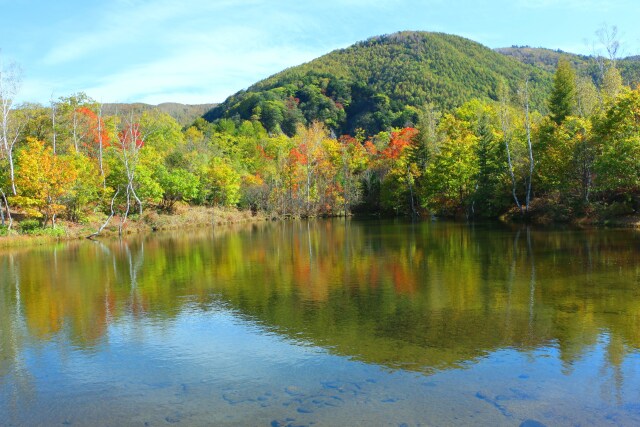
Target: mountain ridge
x=184 y=114
x=378 y=83
x=584 y=65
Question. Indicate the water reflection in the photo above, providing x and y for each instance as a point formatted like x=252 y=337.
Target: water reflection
x=426 y=297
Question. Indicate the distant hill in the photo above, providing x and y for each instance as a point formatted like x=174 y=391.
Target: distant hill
x=377 y=83
x=184 y=114
x=547 y=59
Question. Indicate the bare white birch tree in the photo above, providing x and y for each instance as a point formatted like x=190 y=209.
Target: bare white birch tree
x=527 y=126
x=9 y=127
x=505 y=122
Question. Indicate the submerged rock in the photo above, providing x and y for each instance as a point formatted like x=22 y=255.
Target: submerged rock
x=532 y=423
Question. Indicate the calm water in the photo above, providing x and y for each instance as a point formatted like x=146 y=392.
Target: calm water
x=325 y=323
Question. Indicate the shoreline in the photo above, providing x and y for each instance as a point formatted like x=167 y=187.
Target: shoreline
x=186 y=218
x=193 y=217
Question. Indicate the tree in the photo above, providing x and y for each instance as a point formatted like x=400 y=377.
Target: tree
x=487 y=198
x=354 y=162
x=9 y=127
x=87 y=189
x=616 y=167
x=565 y=156
x=44 y=179
x=398 y=184
x=586 y=97
x=127 y=170
x=5 y=211
x=611 y=85
x=178 y=185
x=309 y=154
x=505 y=124
x=450 y=179
x=562 y=102
x=527 y=126
x=608 y=37
x=223 y=183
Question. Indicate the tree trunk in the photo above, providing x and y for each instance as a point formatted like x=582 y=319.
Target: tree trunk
x=108 y=219
x=528 y=129
x=6 y=206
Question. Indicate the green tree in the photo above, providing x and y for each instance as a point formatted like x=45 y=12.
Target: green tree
x=562 y=102
x=178 y=185
x=618 y=133
x=450 y=179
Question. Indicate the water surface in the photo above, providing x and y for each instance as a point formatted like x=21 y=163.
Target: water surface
x=325 y=323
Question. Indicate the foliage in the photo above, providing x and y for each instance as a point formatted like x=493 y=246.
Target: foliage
x=562 y=102
x=410 y=123
x=222 y=184
x=178 y=185
x=585 y=66
x=618 y=134
x=43 y=179
x=377 y=84
x=29 y=225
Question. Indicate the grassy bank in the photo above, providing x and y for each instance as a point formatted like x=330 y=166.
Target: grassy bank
x=197 y=217
x=183 y=218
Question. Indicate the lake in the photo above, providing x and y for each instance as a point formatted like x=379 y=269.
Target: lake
x=327 y=322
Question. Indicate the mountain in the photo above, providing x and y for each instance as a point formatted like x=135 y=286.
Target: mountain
x=547 y=59
x=378 y=83
x=184 y=114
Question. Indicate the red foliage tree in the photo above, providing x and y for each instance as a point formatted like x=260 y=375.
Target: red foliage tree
x=94 y=130
x=399 y=141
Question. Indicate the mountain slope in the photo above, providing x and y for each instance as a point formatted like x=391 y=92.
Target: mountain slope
x=184 y=114
x=374 y=84
x=547 y=59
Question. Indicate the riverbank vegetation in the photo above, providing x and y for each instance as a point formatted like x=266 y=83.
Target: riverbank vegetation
x=573 y=154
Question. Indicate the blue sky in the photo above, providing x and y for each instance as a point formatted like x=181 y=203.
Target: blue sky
x=200 y=51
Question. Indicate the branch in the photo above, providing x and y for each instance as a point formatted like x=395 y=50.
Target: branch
x=91 y=236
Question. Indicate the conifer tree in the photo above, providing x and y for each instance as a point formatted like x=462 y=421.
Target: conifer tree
x=562 y=102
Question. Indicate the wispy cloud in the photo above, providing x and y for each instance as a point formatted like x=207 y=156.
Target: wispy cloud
x=195 y=76
x=121 y=22
x=159 y=51
x=583 y=5
x=204 y=50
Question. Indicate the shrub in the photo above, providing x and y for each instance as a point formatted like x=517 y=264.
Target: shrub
x=29 y=226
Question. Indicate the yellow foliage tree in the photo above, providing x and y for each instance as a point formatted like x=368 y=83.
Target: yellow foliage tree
x=43 y=180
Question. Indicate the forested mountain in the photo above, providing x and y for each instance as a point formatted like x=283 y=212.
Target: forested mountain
x=584 y=65
x=380 y=83
x=411 y=123
x=184 y=114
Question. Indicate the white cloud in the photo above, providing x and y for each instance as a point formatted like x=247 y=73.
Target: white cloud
x=196 y=76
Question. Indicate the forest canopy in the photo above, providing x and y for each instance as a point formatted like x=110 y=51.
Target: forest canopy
x=412 y=123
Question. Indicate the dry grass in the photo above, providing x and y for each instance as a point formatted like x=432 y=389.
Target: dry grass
x=183 y=217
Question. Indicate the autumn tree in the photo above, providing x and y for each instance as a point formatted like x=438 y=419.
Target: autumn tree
x=222 y=185
x=91 y=135
x=450 y=177
x=616 y=168
x=398 y=185
x=43 y=179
